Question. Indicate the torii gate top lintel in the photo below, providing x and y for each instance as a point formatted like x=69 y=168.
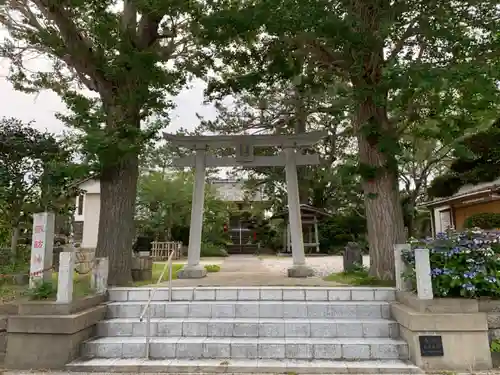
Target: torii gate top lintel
x=261 y=140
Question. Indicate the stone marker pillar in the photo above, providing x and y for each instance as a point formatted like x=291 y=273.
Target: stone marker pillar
x=42 y=246
x=352 y=257
x=65 y=277
x=99 y=280
x=423 y=274
x=402 y=285
x=299 y=268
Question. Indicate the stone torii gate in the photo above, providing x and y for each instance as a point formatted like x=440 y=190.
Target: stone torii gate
x=245 y=156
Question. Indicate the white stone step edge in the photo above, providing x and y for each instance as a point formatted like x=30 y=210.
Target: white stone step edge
x=248 y=347
x=243 y=366
x=257 y=327
x=255 y=309
x=255 y=294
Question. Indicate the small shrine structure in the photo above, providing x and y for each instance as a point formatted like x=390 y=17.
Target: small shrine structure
x=244 y=146
x=310 y=217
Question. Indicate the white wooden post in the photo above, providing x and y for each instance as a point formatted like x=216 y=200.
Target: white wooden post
x=193 y=269
x=400 y=267
x=299 y=268
x=42 y=247
x=65 y=277
x=423 y=274
x=316 y=234
x=99 y=279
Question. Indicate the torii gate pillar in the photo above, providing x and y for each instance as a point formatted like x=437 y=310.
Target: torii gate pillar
x=245 y=157
x=299 y=268
x=193 y=269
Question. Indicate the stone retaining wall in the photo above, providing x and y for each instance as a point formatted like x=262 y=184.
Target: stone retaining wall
x=5 y=310
x=48 y=335
x=3 y=337
x=462 y=324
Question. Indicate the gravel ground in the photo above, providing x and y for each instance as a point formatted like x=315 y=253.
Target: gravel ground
x=322 y=266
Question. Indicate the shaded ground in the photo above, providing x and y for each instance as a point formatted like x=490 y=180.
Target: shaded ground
x=248 y=270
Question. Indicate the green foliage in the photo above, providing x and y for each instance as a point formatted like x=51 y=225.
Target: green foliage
x=495 y=346
x=357 y=277
x=164 y=207
x=42 y=290
x=444 y=186
x=462 y=264
x=401 y=74
x=336 y=231
x=116 y=65
x=212 y=250
x=485 y=220
x=117 y=49
x=211 y=268
x=35 y=174
x=476 y=161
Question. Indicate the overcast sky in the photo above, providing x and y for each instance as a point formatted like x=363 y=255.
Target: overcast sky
x=42 y=108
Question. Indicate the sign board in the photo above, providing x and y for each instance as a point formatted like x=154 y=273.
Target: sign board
x=244 y=152
x=42 y=246
x=431 y=346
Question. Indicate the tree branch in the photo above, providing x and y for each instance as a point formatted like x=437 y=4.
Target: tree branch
x=75 y=44
x=148 y=30
x=412 y=30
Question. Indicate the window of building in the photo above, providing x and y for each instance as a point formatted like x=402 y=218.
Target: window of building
x=79 y=205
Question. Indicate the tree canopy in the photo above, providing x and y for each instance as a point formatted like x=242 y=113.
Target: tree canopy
x=115 y=64
x=399 y=64
x=479 y=164
x=36 y=171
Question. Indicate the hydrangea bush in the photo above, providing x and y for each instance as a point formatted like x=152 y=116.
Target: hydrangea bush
x=463 y=264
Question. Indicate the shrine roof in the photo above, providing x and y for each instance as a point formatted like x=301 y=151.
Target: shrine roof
x=305 y=208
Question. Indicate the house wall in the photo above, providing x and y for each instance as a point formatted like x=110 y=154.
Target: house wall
x=91 y=220
x=462 y=213
x=88 y=222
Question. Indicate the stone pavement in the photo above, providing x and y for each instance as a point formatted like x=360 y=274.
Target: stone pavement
x=249 y=270
x=42 y=372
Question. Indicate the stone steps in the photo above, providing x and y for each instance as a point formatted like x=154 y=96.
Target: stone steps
x=138 y=364
x=248 y=347
x=253 y=309
x=254 y=294
x=249 y=330
x=250 y=327
x=243 y=366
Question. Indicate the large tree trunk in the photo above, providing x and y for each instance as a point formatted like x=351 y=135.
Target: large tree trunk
x=116 y=218
x=384 y=213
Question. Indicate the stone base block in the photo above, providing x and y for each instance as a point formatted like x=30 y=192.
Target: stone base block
x=464 y=337
x=196 y=272
x=49 y=341
x=300 y=271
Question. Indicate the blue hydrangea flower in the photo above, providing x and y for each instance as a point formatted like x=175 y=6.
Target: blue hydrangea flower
x=469 y=287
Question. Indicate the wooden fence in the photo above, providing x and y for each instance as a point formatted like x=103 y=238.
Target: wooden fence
x=161 y=250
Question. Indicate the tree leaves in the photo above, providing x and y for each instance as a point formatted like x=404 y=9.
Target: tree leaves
x=36 y=171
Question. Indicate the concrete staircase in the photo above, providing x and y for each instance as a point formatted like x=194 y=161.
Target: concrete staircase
x=250 y=330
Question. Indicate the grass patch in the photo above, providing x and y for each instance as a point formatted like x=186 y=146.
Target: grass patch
x=158 y=269
x=357 y=278
x=212 y=268
x=81 y=284
x=44 y=291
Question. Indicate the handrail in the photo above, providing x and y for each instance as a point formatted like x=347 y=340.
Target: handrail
x=151 y=295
